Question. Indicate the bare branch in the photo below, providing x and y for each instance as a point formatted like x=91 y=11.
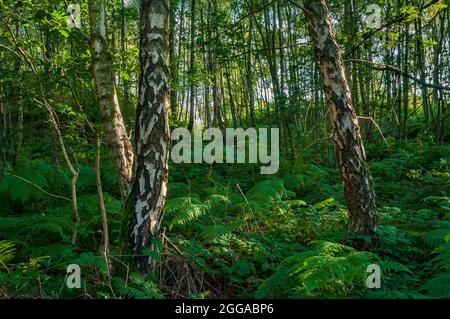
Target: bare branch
x=385 y=67
x=36 y=186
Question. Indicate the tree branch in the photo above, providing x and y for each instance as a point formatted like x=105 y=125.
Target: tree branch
x=385 y=67
x=400 y=18
x=37 y=186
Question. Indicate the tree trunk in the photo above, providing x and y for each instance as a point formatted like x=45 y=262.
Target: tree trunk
x=116 y=136
x=205 y=48
x=422 y=71
x=101 y=202
x=173 y=61
x=148 y=193
x=350 y=153
x=192 y=69
x=123 y=47
x=212 y=63
x=230 y=97
x=251 y=95
x=405 y=89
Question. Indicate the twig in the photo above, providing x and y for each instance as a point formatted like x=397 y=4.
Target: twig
x=375 y=123
x=124 y=264
x=37 y=186
x=101 y=202
x=172 y=244
x=318 y=140
x=385 y=67
x=53 y=118
x=245 y=198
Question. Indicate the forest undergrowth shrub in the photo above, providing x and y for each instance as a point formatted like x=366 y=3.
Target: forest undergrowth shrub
x=241 y=232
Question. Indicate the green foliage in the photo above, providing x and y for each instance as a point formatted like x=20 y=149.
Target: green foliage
x=182 y=210
x=234 y=232
x=437 y=286
x=26 y=185
x=7 y=251
x=139 y=287
x=394 y=244
x=267 y=191
x=36 y=228
x=214 y=231
x=247 y=235
x=326 y=270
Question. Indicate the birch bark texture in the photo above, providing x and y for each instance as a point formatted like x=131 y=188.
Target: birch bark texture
x=152 y=138
x=116 y=136
x=349 y=149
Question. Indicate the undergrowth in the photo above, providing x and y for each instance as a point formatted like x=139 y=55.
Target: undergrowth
x=236 y=234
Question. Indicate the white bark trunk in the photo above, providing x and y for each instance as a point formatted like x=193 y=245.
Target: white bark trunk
x=349 y=149
x=116 y=136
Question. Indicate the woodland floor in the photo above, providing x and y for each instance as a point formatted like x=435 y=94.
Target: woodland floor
x=240 y=234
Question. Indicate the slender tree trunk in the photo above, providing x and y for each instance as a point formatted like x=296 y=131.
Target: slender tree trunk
x=212 y=30
x=405 y=91
x=269 y=48
x=54 y=122
x=251 y=95
x=230 y=96
x=422 y=68
x=116 y=136
x=438 y=96
x=19 y=103
x=179 y=66
x=192 y=69
x=399 y=89
x=148 y=193
x=19 y=130
x=101 y=202
x=173 y=61
x=19 y=133
x=125 y=82
x=205 y=36
x=349 y=149
x=352 y=28
x=2 y=127
x=364 y=94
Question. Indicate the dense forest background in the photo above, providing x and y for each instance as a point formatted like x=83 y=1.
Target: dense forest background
x=72 y=112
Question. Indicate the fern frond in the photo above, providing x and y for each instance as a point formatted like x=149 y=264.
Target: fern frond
x=267 y=192
x=438 y=286
x=181 y=210
x=214 y=231
x=393 y=266
x=139 y=287
x=328 y=270
x=7 y=252
x=36 y=226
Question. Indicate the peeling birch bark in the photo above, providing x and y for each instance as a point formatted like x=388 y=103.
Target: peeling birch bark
x=152 y=139
x=116 y=136
x=349 y=149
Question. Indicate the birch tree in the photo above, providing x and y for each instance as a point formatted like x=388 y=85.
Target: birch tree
x=152 y=138
x=349 y=149
x=116 y=136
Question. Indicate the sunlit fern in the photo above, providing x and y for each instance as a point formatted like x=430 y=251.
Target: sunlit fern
x=7 y=252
